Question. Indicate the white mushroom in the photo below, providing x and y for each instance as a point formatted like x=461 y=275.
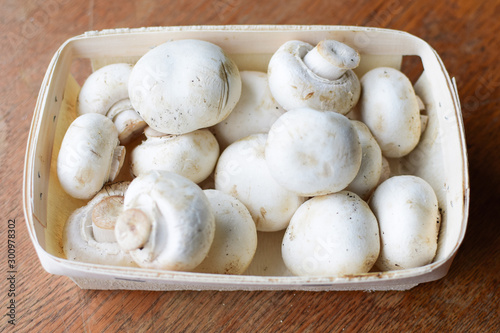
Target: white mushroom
x=389 y=107
x=84 y=242
x=320 y=77
x=90 y=155
x=255 y=112
x=407 y=211
x=331 y=235
x=313 y=152
x=386 y=171
x=105 y=91
x=192 y=155
x=184 y=85
x=242 y=172
x=167 y=222
x=424 y=118
x=371 y=163
x=235 y=240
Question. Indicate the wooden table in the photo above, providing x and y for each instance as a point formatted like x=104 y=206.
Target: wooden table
x=464 y=33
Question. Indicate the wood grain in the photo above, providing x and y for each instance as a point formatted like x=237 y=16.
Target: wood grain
x=464 y=33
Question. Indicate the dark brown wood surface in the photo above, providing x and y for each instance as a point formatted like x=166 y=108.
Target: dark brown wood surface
x=464 y=33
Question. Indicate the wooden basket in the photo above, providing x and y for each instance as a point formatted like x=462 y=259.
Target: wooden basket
x=440 y=158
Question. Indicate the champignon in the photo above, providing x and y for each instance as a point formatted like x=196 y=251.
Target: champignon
x=320 y=77
x=424 y=118
x=167 y=222
x=105 y=91
x=312 y=152
x=235 y=240
x=192 y=155
x=389 y=107
x=242 y=172
x=407 y=211
x=255 y=112
x=90 y=155
x=184 y=85
x=371 y=163
x=386 y=171
x=331 y=235
x=85 y=238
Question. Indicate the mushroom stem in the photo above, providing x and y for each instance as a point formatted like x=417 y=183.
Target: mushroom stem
x=424 y=118
x=421 y=104
x=150 y=133
x=104 y=217
x=331 y=59
x=132 y=229
x=116 y=162
x=129 y=125
x=127 y=121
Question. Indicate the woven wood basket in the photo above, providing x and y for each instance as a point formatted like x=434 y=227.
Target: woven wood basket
x=440 y=158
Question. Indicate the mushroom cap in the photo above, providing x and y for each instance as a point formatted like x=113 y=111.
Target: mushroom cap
x=389 y=107
x=87 y=159
x=106 y=92
x=407 y=211
x=294 y=85
x=103 y=88
x=386 y=171
x=235 y=240
x=338 y=54
x=192 y=155
x=182 y=222
x=313 y=152
x=331 y=235
x=243 y=173
x=79 y=243
x=255 y=112
x=371 y=163
x=184 y=85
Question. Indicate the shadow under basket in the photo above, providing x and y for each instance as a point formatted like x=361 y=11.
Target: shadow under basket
x=440 y=158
